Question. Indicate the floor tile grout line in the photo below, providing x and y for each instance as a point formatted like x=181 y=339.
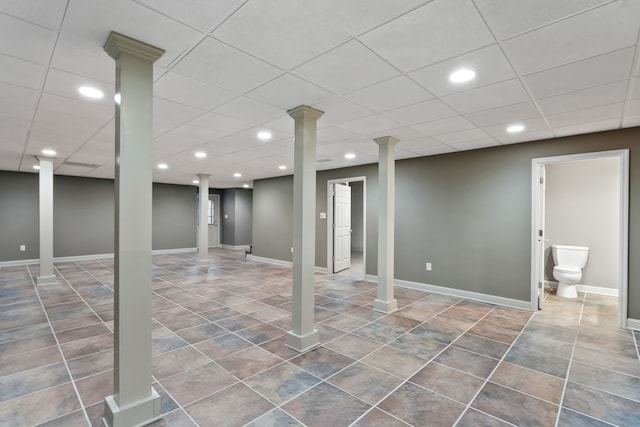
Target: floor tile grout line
x=71 y=379
x=475 y=396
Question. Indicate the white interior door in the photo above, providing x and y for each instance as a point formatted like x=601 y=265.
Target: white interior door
x=341 y=227
x=213 y=220
x=540 y=237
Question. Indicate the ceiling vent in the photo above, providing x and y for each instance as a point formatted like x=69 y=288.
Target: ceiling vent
x=323 y=160
x=80 y=165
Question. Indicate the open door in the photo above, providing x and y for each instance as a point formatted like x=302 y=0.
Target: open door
x=341 y=227
x=540 y=236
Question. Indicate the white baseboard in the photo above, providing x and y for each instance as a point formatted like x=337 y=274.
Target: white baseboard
x=633 y=324
x=236 y=248
x=476 y=296
x=89 y=257
x=282 y=263
x=590 y=289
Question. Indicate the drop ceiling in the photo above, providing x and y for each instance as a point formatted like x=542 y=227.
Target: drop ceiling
x=233 y=68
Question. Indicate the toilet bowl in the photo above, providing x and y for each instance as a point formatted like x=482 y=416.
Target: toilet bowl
x=569 y=260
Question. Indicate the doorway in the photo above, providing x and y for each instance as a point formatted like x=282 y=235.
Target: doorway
x=213 y=220
x=346 y=227
x=569 y=221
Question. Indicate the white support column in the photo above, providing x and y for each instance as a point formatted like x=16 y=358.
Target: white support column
x=134 y=401
x=46 y=275
x=386 y=183
x=303 y=336
x=203 y=225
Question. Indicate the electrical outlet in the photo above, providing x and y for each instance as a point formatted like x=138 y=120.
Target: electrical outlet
x=428 y=266
x=23 y=248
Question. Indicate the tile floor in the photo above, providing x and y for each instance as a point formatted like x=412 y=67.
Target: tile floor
x=219 y=357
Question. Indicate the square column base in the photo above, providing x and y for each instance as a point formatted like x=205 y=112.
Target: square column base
x=385 y=306
x=202 y=262
x=45 y=280
x=140 y=413
x=302 y=343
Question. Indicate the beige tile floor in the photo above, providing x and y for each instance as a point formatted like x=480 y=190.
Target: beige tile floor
x=219 y=357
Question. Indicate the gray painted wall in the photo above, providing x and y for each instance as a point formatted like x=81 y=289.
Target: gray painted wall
x=19 y=223
x=468 y=213
x=228 y=217
x=244 y=217
x=582 y=207
x=356 y=216
x=83 y=216
x=273 y=218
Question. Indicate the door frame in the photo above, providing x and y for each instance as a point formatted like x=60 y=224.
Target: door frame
x=216 y=214
x=536 y=202
x=330 y=183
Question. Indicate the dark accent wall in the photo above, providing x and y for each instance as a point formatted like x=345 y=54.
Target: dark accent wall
x=468 y=213
x=244 y=217
x=83 y=216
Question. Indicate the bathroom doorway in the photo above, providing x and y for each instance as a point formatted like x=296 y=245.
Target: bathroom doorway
x=582 y=200
x=357 y=215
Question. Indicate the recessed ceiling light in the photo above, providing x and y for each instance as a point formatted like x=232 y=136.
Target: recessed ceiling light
x=36 y=167
x=237 y=174
x=90 y=92
x=49 y=152
x=117 y=98
x=264 y=135
x=162 y=166
x=195 y=181
x=350 y=156
x=515 y=128
x=201 y=154
x=282 y=167
x=462 y=75
x=245 y=185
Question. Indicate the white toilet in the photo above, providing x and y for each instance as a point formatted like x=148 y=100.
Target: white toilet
x=569 y=260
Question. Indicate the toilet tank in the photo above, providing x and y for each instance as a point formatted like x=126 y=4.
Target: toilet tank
x=575 y=256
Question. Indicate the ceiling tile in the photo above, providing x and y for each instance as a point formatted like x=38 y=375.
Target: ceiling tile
x=339 y=110
x=530 y=126
x=443 y=29
x=45 y=13
x=76 y=107
x=426 y=147
x=420 y=113
x=536 y=135
x=635 y=93
x=288 y=92
x=489 y=63
x=462 y=136
x=26 y=41
x=369 y=125
x=592 y=97
x=438 y=127
x=475 y=145
x=633 y=107
x=249 y=110
x=185 y=90
x=487 y=97
x=346 y=68
x=67 y=84
x=578 y=75
x=587 y=115
x=507 y=114
x=21 y=73
x=630 y=121
x=215 y=62
x=17 y=95
x=390 y=94
x=333 y=133
x=587 y=127
x=204 y=15
x=508 y=18
x=574 y=39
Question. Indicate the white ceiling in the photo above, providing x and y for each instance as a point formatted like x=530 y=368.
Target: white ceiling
x=375 y=67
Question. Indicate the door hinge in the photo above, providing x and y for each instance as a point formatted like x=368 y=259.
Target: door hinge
x=540 y=233
x=541 y=180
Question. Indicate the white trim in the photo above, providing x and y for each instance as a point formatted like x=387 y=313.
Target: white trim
x=89 y=257
x=623 y=155
x=271 y=261
x=330 y=183
x=633 y=324
x=476 y=296
x=598 y=290
x=235 y=248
